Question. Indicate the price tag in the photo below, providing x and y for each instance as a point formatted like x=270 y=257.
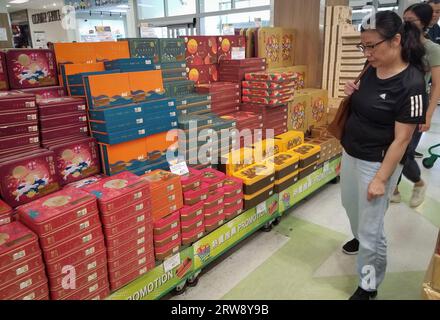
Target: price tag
x=326 y=167
x=171 y=263
x=238 y=53
x=262 y=207
x=179 y=168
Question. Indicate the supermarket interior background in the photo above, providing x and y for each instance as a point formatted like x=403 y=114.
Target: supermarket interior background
x=89 y=94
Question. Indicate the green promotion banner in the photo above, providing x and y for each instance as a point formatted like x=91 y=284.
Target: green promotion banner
x=216 y=243
x=159 y=281
x=303 y=188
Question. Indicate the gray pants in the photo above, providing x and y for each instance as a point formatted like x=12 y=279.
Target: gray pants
x=367 y=217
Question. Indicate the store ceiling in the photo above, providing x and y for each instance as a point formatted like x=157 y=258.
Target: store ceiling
x=32 y=4
x=46 y=5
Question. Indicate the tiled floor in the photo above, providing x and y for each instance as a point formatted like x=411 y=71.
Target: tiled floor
x=302 y=259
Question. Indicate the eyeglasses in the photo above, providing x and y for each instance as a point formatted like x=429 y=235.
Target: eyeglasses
x=362 y=48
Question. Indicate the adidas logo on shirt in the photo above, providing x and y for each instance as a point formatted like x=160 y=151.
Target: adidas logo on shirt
x=416 y=106
x=383 y=96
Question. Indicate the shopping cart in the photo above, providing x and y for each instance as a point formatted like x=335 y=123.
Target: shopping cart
x=428 y=163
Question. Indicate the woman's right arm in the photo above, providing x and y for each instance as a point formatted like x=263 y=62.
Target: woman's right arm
x=350 y=88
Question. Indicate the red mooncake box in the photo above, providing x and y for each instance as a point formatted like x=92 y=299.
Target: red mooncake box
x=191 y=180
x=4 y=82
x=232 y=187
x=27 y=178
x=196 y=195
x=116 y=285
x=10 y=117
x=89 y=250
x=31 y=68
x=5 y=209
x=213 y=178
x=194 y=235
x=215 y=222
x=100 y=295
x=11 y=142
x=60 y=106
x=57 y=210
x=167 y=237
x=23 y=284
x=130 y=266
x=71 y=230
x=84 y=280
x=68 y=119
x=91 y=262
x=165 y=224
x=15 y=129
x=190 y=212
x=213 y=212
x=80 y=130
x=136 y=236
x=190 y=225
x=82 y=266
x=162 y=253
x=129 y=211
x=137 y=220
x=118 y=191
x=84 y=292
x=46 y=92
x=124 y=249
x=21 y=269
x=37 y=292
x=71 y=245
x=76 y=160
x=16 y=101
x=214 y=199
x=85 y=182
x=135 y=253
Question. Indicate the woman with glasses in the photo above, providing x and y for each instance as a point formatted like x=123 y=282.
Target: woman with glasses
x=421 y=15
x=386 y=107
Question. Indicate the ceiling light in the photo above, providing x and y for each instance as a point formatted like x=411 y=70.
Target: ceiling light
x=18 y=1
x=123 y=6
x=8 y=5
x=44 y=7
x=54 y=4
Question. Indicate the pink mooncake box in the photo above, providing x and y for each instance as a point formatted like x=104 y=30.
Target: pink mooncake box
x=60 y=106
x=15 y=101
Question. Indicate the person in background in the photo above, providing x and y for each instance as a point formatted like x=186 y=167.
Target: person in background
x=386 y=107
x=434 y=28
x=420 y=15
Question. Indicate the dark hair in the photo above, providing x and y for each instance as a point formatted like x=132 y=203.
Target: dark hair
x=388 y=24
x=424 y=12
x=434 y=1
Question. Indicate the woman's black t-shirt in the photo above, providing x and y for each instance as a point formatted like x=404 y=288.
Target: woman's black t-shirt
x=377 y=105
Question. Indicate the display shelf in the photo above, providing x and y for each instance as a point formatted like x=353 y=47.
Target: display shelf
x=187 y=264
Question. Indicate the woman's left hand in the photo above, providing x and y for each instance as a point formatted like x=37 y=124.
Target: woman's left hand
x=376 y=189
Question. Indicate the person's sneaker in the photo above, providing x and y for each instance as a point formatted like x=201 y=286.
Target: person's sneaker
x=362 y=294
x=418 y=154
x=396 y=198
x=418 y=196
x=351 y=247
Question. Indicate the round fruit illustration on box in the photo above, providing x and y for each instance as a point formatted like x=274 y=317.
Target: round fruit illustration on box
x=226 y=45
x=58 y=201
x=193 y=75
x=192 y=46
x=298 y=116
x=116 y=184
x=318 y=110
x=3 y=238
x=75 y=162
